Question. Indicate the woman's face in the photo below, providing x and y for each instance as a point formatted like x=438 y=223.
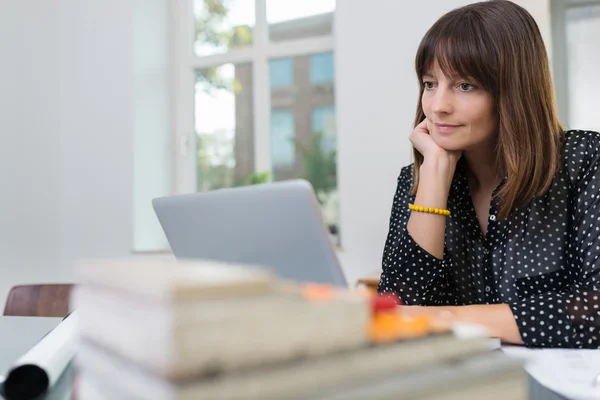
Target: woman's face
x=460 y=114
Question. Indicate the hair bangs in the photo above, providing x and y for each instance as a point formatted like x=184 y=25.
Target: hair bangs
x=458 y=47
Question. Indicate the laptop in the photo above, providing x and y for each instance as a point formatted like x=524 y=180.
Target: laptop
x=276 y=226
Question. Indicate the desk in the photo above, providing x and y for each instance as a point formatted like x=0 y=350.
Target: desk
x=536 y=390
x=19 y=334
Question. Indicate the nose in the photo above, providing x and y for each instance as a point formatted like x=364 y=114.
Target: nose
x=441 y=103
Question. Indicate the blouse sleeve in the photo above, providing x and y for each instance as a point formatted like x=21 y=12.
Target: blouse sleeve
x=409 y=271
x=571 y=318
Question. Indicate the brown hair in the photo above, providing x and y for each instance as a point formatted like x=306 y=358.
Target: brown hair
x=498 y=44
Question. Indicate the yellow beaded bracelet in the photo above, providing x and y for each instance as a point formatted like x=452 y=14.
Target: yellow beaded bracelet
x=439 y=211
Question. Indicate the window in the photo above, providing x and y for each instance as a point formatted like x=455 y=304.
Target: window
x=321 y=68
x=222 y=25
x=223 y=127
x=281 y=72
x=256 y=82
x=282 y=139
x=293 y=20
x=323 y=123
x=311 y=107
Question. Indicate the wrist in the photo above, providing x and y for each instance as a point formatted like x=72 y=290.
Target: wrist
x=437 y=173
x=486 y=315
x=443 y=165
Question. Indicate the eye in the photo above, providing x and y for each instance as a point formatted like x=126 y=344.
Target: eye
x=428 y=85
x=467 y=87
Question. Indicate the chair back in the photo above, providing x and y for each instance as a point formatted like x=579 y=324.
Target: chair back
x=46 y=300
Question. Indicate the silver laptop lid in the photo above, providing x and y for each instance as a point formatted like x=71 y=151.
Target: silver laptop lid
x=274 y=225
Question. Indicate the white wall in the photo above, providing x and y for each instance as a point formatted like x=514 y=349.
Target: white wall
x=153 y=150
x=96 y=95
x=540 y=9
x=66 y=84
x=30 y=146
x=583 y=55
x=376 y=101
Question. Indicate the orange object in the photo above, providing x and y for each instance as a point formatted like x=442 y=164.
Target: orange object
x=316 y=292
x=384 y=327
x=389 y=326
x=416 y=326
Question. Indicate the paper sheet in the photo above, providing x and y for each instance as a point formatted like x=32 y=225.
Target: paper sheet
x=568 y=372
x=39 y=369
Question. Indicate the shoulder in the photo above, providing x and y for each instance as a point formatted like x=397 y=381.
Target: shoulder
x=581 y=150
x=581 y=141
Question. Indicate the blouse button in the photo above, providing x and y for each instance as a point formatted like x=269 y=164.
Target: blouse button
x=492 y=217
x=488 y=289
x=486 y=251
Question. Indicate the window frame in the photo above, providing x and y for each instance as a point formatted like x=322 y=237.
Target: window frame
x=184 y=64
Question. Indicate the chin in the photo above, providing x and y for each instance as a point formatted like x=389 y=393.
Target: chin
x=449 y=142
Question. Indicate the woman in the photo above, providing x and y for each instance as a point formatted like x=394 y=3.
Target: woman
x=519 y=251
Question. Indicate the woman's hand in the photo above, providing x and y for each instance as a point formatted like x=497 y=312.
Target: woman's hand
x=429 y=149
x=435 y=179
x=496 y=318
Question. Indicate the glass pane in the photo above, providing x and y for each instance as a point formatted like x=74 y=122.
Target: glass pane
x=283 y=150
x=224 y=126
x=321 y=68
x=323 y=122
x=583 y=58
x=281 y=72
x=303 y=129
x=222 y=25
x=306 y=18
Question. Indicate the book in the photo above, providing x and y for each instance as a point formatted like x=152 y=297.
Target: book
x=488 y=375
x=173 y=281
x=218 y=331
x=219 y=323
x=117 y=378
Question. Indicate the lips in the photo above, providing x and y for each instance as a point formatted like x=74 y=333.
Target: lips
x=446 y=127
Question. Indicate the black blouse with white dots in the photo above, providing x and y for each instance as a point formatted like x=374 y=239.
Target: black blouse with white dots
x=543 y=261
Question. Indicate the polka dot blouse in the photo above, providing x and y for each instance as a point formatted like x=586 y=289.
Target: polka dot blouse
x=543 y=261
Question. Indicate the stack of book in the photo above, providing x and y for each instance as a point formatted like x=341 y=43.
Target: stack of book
x=207 y=330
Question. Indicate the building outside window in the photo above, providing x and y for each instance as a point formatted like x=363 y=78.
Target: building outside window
x=256 y=80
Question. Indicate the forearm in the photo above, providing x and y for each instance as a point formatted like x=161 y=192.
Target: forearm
x=498 y=319
x=434 y=184
x=404 y=261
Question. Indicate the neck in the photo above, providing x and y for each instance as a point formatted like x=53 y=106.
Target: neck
x=482 y=169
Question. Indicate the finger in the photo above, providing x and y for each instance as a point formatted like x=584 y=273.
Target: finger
x=420 y=139
x=422 y=126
